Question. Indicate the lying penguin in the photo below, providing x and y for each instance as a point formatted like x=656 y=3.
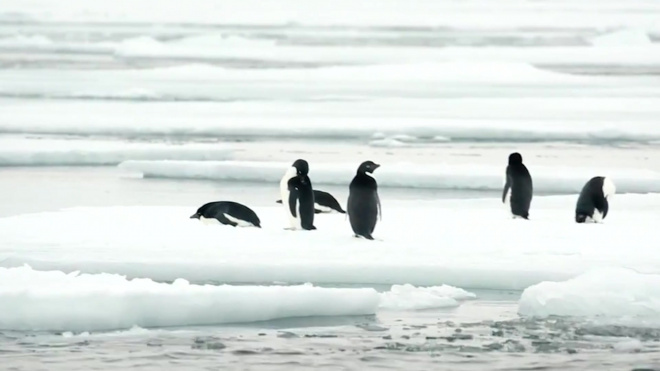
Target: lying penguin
x=228 y=213
x=324 y=202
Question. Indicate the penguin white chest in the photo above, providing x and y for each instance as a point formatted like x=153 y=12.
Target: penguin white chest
x=209 y=221
x=284 y=193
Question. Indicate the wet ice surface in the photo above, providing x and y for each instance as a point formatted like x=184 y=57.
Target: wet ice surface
x=479 y=335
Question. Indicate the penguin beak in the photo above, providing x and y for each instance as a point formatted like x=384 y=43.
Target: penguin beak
x=195 y=216
x=376 y=166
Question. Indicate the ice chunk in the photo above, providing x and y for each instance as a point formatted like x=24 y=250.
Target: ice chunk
x=409 y=297
x=52 y=300
x=607 y=292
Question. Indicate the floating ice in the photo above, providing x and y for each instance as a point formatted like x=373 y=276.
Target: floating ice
x=462 y=243
x=38 y=300
x=275 y=111
x=56 y=152
x=606 y=292
x=409 y=297
x=391 y=13
x=401 y=174
x=624 y=38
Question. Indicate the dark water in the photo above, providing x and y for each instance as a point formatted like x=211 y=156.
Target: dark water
x=452 y=339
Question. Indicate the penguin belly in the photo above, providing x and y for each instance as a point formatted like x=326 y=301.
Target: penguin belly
x=294 y=221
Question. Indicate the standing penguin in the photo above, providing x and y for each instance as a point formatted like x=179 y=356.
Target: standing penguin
x=518 y=188
x=592 y=204
x=363 y=202
x=298 y=196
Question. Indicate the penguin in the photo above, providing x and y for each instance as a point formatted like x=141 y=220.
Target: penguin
x=298 y=196
x=228 y=213
x=363 y=202
x=518 y=187
x=324 y=202
x=592 y=204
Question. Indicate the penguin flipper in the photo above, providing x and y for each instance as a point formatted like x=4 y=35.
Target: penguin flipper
x=223 y=219
x=507 y=185
x=380 y=209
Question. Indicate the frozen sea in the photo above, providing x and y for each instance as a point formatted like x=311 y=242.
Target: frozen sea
x=118 y=119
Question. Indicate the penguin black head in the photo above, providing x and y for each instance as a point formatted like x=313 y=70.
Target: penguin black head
x=367 y=167
x=580 y=218
x=515 y=158
x=302 y=167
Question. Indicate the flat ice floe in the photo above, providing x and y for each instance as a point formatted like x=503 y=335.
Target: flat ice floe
x=35 y=300
x=351 y=117
x=611 y=292
x=19 y=151
x=463 y=243
x=404 y=175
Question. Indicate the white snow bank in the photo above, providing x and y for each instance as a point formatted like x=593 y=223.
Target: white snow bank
x=611 y=292
x=15 y=151
x=404 y=175
x=409 y=297
x=36 y=300
x=625 y=37
x=463 y=243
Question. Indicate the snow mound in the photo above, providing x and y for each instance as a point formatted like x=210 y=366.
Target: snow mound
x=57 y=152
x=625 y=37
x=608 y=292
x=52 y=300
x=462 y=243
x=401 y=174
x=409 y=297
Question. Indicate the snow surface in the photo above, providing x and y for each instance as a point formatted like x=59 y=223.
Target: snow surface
x=611 y=292
x=45 y=151
x=404 y=175
x=463 y=243
x=36 y=300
